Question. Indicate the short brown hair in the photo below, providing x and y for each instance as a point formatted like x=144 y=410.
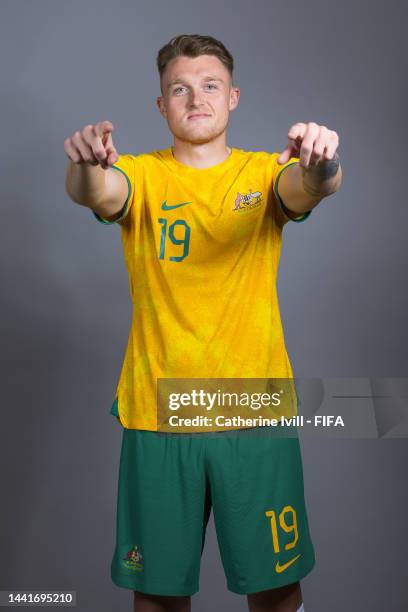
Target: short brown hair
x=193 y=45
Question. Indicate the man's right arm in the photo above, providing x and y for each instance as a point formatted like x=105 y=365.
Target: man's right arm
x=90 y=180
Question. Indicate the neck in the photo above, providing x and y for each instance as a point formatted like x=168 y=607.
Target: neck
x=202 y=155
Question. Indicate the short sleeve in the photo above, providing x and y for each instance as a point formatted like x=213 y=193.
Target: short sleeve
x=125 y=165
x=283 y=213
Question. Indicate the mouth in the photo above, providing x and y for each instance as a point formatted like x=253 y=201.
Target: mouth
x=198 y=116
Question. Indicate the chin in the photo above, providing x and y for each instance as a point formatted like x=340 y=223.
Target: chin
x=198 y=136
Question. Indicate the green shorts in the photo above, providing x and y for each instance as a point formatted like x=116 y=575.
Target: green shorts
x=168 y=483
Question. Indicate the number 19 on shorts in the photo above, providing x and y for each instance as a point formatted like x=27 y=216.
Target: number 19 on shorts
x=287 y=527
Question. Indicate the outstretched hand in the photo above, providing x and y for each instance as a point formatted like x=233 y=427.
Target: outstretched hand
x=92 y=145
x=310 y=142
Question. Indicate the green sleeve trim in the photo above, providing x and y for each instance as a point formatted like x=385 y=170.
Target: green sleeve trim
x=123 y=212
x=285 y=210
x=114 y=408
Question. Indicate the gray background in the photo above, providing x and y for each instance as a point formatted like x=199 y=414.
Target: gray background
x=65 y=301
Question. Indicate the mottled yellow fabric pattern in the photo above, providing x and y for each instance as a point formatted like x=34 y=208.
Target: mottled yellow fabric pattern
x=202 y=249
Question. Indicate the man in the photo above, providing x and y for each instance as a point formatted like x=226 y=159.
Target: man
x=201 y=227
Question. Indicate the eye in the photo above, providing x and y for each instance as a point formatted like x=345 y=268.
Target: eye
x=211 y=85
x=176 y=90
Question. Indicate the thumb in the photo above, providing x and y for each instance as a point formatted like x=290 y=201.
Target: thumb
x=111 y=153
x=108 y=141
x=103 y=129
x=107 y=134
x=107 y=126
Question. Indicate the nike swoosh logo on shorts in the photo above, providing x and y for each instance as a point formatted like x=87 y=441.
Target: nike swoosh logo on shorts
x=166 y=206
x=281 y=568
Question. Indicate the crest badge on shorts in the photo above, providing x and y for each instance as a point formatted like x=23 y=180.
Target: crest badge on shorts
x=133 y=559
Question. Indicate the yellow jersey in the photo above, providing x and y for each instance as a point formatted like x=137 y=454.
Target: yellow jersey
x=202 y=249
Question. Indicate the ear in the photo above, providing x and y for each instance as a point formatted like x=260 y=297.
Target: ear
x=161 y=106
x=234 y=98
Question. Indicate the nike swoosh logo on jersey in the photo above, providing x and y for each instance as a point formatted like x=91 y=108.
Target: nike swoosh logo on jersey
x=281 y=568
x=166 y=206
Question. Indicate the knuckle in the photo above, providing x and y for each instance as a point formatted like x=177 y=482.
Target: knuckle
x=73 y=155
x=99 y=153
x=87 y=133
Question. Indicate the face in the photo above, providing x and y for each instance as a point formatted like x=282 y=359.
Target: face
x=197 y=97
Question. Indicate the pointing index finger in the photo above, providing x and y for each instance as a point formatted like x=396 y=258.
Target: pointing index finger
x=103 y=127
x=296 y=131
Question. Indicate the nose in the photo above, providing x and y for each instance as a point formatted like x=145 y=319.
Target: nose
x=195 y=98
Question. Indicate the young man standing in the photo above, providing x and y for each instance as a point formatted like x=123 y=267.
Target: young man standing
x=201 y=227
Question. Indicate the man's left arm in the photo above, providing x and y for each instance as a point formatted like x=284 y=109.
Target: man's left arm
x=318 y=174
